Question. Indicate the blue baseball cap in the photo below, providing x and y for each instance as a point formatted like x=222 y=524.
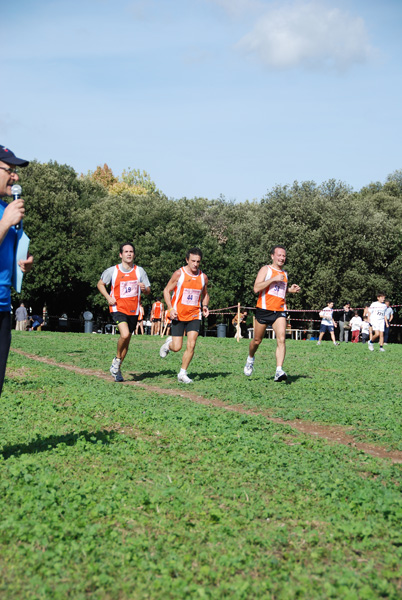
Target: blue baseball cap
x=9 y=157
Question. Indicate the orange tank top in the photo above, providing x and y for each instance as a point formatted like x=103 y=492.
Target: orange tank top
x=157 y=310
x=125 y=287
x=187 y=295
x=273 y=297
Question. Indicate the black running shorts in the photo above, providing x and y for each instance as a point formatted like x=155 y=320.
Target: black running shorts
x=268 y=317
x=131 y=320
x=179 y=327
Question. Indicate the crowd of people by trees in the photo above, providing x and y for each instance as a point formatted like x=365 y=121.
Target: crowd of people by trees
x=341 y=244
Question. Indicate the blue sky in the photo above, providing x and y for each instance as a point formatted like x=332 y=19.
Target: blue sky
x=209 y=97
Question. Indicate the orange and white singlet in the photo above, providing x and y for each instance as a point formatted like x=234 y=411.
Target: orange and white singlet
x=273 y=298
x=157 y=310
x=187 y=294
x=125 y=287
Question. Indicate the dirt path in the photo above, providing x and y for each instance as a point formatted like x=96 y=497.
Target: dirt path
x=333 y=433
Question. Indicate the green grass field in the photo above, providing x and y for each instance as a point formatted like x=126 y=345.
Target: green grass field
x=122 y=491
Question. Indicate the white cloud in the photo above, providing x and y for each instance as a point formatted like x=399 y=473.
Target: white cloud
x=310 y=34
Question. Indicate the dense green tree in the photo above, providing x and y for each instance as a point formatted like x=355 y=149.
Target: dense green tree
x=341 y=245
x=55 y=198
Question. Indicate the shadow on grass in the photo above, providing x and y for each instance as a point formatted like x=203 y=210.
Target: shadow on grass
x=294 y=378
x=213 y=375
x=43 y=444
x=151 y=375
x=13 y=384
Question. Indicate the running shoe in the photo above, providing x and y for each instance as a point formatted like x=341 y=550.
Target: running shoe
x=118 y=377
x=280 y=375
x=115 y=366
x=382 y=349
x=184 y=378
x=164 y=351
x=249 y=368
x=370 y=346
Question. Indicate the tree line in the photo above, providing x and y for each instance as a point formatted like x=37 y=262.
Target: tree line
x=341 y=244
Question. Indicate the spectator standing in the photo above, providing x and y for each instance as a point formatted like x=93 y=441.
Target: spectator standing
x=327 y=324
x=366 y=311
x=45 y=314
x=356 y=324
x=389 y=313
x=365 y=329
x=345 y=316
x=21 y=318
x=10 y=215
x=240 y=321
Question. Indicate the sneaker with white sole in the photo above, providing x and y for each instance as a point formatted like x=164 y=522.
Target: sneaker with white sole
x=382 y=349
x=280 y=375
x=118 y=377
x=370 y=346
x=164 y=351
x=248 y=368
x=115 y=366
x=183 y=378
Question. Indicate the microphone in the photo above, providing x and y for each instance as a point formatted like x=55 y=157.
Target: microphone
x=16 y=192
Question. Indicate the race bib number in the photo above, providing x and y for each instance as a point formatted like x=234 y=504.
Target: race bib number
x=278 y=289
x=191 y=297
x=128 y=289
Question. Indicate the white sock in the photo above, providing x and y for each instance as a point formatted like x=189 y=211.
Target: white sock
x=250 y=359
x=183 y=372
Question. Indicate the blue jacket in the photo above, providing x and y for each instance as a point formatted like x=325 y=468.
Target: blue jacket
x=7 y=251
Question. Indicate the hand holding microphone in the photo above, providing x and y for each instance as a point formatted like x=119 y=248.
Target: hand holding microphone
x=16 y=191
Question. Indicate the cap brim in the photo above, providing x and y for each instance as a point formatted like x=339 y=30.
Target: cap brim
x=13 y=160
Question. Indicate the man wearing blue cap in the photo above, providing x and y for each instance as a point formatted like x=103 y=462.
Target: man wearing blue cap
x=10 y=215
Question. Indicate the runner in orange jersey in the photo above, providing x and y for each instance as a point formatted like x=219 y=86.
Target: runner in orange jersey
x=271 y=286
x=127 y=282
x=187 y=299
x=167 y=323
x=140 y=322
x=156 y=317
